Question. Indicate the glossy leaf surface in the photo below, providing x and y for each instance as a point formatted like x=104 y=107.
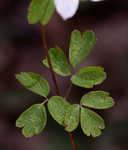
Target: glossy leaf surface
x=57 y=107
x=97 y=99
x=40 y=10
x=88 y=77
x=91 y=122
x=80 y=46
x=59 y=61
x=72 y=117
x=34 y=82
x=33 y=120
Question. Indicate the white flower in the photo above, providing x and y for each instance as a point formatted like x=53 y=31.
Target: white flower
x=66 y=8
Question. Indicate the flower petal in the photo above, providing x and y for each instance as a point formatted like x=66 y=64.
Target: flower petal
x=66 y=8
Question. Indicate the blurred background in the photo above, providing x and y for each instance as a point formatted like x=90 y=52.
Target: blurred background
x=21 y=51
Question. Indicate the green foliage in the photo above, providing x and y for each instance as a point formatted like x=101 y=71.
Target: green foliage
x=33 y=120
x=59 y=62
x=80 y=46
x=89 y=76
x=72 y=117
x=34 y=82
x=97 y=99
x=91 y=123
x=57 y=107
x=40 y=10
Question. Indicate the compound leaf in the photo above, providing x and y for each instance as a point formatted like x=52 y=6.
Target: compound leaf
x=97 y=99
x=34 y=82
x=57 y=107
x=59 y=62
x=72 y=117
x=91 y=122
x=80 y=46
x=40 y=10
x=89 y=76
x=33 y=120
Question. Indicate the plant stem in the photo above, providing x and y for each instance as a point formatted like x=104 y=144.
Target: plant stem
x=54 y=78
x=45 y=101
x=68 y=91
x=72 y=140
x=49 y=61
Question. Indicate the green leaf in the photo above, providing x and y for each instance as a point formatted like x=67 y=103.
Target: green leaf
x=80 y=46
x=97 y=99
x=91 y=122
x=72 y=117
x=33 y=120
x=59 y=62
x=40 y=10
x=35 y=83
x=57 y=107
x=89 y=76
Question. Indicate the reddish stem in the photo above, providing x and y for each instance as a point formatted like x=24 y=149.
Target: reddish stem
x=68 y=91
x=54 y=79
x=49 y=61
x=72 y=140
